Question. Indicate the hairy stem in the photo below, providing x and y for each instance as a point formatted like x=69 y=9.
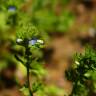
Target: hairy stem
x=28 y=73
x=28 y=80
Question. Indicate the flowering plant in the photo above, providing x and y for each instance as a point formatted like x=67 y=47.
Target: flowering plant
x=82 y=73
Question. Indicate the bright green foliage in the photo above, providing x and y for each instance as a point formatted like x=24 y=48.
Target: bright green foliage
x=65 y=21
x=49 y=18
x=27 y=31
x=82 y=73
x=3 y=20
x=51 y=90
x=45 y=20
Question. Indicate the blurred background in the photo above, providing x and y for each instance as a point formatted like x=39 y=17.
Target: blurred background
x=67 y=26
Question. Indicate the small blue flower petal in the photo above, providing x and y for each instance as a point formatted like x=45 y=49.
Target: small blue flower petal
x=11 y=8
x=32 y=42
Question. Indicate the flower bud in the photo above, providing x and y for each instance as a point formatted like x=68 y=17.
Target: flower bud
x=19 y=40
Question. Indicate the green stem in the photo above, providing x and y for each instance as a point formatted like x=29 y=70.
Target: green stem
x=28 y=80
x=28 y=73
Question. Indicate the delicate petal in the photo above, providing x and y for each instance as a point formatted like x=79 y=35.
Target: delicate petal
x=40 y=41
x=19 y=40
x=76 y=62
x=12 y=8
x=32 y=42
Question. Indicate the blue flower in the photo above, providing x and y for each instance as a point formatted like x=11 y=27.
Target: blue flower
x=33 y=42
x=11 y=8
